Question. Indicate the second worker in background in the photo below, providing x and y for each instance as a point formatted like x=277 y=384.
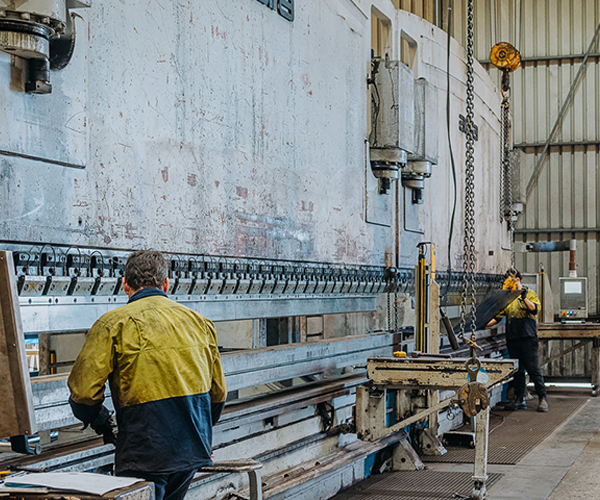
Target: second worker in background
x=522 y=342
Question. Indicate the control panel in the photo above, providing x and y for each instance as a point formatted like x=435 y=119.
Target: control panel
x=573 y=299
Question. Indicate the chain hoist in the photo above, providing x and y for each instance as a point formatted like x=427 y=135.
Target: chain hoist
x=507 y=59
x=472 y=397
x=469 y=255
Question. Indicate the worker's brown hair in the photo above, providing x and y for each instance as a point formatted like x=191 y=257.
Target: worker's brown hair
x=513 y=273
x=146 y=268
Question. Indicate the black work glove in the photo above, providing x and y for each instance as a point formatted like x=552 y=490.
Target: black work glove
x=105 y=425
x=524 y=291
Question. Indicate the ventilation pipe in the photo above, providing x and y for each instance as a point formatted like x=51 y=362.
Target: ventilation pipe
x=557 y=246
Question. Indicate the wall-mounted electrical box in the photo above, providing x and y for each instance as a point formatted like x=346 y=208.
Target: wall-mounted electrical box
x=425 y=151
x=392 y=119
x=573 y=299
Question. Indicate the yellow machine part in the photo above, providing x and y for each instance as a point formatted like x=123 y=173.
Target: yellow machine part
x=505 y=57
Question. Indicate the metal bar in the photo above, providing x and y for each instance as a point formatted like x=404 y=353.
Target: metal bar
x=558 y=331
x=66 y=314
x=433 y=373
x=536 y=173
x=49 y=161
x=242 y=369
x=422 y=415
x=566 y=144
x=558 y=230
x=566 y=351
x=482 y=423
x=552 y=58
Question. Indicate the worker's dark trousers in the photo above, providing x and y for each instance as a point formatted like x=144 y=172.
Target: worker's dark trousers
x=526 y=351
x=167 y=486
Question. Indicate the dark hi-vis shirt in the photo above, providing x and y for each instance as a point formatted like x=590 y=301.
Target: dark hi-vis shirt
x=167 y=384
x=520 y=321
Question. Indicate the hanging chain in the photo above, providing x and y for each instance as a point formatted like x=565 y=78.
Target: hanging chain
x=502 y=161
x=510 y=181
x=396 y=323
x=469 y=214
x=507 y=168
x=389 y=311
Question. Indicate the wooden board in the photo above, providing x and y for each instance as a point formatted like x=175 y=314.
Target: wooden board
x=16 y=410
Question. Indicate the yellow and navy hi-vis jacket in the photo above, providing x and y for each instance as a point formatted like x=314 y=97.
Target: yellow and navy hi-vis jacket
x=520 y=321
x=163 y=366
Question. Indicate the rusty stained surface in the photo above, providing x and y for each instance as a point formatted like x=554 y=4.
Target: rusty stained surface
x=223 y=129
x=433 y=371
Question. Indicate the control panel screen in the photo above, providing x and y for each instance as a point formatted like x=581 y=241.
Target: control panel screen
x=572 y=287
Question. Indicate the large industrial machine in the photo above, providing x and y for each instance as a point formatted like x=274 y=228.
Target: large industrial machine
x=300 y=218
x=318 y=408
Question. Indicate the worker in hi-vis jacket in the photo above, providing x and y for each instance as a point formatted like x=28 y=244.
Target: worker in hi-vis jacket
x=522 y=341
x=167 y=385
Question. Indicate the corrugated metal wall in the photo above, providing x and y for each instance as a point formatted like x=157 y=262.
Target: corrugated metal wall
x=552 y=36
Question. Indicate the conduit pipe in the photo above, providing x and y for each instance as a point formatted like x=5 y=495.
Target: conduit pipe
x=557 y=246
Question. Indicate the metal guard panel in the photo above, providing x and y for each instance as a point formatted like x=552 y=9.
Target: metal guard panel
x=63 y=314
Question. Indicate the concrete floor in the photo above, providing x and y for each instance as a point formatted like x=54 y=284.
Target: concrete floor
x=565 y=466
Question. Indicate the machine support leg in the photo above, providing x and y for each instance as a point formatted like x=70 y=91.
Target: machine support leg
x=482 y=423
x=595 y=366
x=255 y=485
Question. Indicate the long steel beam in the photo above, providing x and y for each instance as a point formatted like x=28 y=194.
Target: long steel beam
x=242 y=369
x=560 y=331
x=65 y=314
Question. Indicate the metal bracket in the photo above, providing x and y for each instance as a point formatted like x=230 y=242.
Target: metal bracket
x=430 y=444
x=406 y=458
x=20 y=444
x=77 y=4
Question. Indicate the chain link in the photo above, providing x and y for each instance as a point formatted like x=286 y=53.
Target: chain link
x=396 y=323
x=389 y=311
x=502 y=163
x=509 y=181
x=469 y=260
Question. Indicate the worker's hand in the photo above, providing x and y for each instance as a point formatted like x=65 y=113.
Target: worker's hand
x=105 y=425
x=524 y=291
x=108 y=432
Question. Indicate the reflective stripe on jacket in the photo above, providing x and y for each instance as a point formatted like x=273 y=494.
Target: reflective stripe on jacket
x=520 y=321
x=167 y=384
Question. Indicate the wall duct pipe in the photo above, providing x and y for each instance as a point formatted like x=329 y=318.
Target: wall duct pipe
x=557 y=246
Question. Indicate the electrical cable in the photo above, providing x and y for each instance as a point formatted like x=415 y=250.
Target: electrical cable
x=453 y=164
x=493 y=414
x=376 y=104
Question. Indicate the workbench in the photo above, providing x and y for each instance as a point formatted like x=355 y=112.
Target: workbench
x=585 y=333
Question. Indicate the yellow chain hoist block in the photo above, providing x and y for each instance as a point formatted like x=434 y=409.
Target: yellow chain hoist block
x=510 y=282
x=505 y=57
